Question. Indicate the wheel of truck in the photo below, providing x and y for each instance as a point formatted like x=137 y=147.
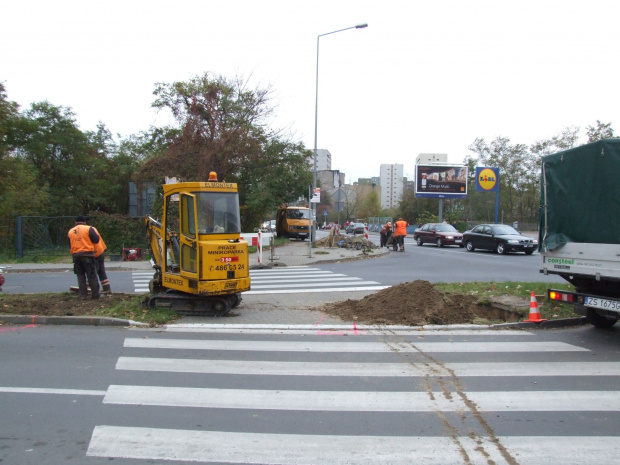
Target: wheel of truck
x=470 y=246
x=419 y=241
x=500 y=248
x=598 y=320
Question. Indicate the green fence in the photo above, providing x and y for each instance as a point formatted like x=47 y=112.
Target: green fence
x=46 y=236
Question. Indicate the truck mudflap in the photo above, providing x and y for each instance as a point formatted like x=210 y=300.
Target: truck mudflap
x=602 y=312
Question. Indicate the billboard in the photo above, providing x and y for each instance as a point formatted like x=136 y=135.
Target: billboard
x=441 y=181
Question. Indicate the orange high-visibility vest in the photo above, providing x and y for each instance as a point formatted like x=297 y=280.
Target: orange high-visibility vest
x=401 y=228
x=80 y=240
x=100 y=246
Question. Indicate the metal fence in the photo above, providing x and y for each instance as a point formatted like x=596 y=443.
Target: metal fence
x=7 y=237
x=46 y=236
x=375 y=223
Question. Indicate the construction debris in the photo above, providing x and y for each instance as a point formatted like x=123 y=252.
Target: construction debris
x=357 y=242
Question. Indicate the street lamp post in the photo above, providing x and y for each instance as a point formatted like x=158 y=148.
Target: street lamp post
x=316 y=117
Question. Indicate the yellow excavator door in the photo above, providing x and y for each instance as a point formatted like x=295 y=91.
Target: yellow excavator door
x=190 y=259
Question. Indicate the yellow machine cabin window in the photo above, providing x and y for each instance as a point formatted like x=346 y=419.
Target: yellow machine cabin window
x=189 y=246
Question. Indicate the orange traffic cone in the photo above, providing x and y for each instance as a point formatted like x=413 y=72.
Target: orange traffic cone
x=534 y=312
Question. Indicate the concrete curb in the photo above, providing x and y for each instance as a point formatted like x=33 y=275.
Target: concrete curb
x=550 y=324
x=68 y=320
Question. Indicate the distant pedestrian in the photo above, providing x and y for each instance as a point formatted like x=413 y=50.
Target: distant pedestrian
x=400 y=231
x=83 y=239
x=100 y=250
x=385 y=233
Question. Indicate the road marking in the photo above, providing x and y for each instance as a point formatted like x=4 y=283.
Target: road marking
x=284 y=449
x=340 y=347
x=315 y=290
x=283 y=368
x=448 y=330
x=356 y=401
x=72 y=392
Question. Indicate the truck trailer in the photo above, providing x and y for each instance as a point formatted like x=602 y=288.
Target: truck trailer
x=579 y=230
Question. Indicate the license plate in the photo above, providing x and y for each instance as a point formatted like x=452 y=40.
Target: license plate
x=605 y=304
x=458 y=241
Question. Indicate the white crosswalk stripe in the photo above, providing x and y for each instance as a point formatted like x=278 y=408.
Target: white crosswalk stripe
x=287 y=280
x=202 y=372
x=141 y=281
x=306 y=279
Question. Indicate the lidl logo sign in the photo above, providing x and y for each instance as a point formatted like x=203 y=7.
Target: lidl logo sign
x=487 y=179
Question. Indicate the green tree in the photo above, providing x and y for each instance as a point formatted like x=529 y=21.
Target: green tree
x=222 y=127
x=370 y=205
x=519 y=174
x=20 y=193
x=600 y=131
x=66 y=164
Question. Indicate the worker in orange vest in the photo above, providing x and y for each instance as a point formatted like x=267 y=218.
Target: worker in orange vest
x=100 y=250
x=83 y=239
x=400 y=231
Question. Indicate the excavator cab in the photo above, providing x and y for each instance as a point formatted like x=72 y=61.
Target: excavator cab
x=201 y=263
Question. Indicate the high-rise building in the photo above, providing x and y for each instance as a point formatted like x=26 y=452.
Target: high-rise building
x=391 y=180
x=323 y=160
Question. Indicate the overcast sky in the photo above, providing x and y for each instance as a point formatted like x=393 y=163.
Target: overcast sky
x=423 y=77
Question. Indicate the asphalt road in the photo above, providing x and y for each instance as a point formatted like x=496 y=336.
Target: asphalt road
x=95 y=395
x=447 y=264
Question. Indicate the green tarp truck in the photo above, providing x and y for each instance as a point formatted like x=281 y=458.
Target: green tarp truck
x=579 y=231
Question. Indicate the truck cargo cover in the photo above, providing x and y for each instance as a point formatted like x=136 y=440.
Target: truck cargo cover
x=580 y=195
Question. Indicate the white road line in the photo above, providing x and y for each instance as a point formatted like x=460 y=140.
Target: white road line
x=285 y=449
x=304 y=278
x=72 y=392
x=307 y=280
x=314 y=290
x=283 y=368
x=356 y=401
x=358 y=330
x=356 y=346
x=300 y=285
x=287 y=269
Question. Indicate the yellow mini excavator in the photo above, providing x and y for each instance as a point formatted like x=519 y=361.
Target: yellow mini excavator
x=201 y=263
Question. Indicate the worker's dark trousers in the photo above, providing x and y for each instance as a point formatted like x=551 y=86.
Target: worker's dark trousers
x=86 y=270
x=103 y=277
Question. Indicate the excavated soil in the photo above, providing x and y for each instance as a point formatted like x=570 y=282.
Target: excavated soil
x=412 y=304
x=63 y=304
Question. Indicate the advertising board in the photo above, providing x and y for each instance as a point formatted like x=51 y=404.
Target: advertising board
x=441 y=181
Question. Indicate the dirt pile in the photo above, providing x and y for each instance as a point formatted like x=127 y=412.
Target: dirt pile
x=411 y=304
x=62 y=304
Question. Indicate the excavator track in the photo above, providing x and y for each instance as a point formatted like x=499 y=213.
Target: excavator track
x=190 y=305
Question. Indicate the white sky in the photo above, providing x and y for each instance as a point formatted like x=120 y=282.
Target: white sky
x=423 y=77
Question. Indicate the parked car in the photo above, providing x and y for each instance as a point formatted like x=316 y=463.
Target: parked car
x=355 y=228
x=269 y=226
x=438 y=233
x=500 y=238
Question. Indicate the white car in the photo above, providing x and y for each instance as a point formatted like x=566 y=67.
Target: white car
x=268 y=226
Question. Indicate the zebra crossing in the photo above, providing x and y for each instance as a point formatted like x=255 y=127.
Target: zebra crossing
x=377 y=397
x=285 y=280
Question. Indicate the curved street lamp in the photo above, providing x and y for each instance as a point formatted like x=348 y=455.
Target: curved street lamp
x=316 y=116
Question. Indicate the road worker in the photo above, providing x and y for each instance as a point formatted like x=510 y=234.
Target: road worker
x=400 y=231
x=83 y=239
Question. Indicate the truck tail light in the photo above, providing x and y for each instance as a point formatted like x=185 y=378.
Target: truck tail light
x=560 y=296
